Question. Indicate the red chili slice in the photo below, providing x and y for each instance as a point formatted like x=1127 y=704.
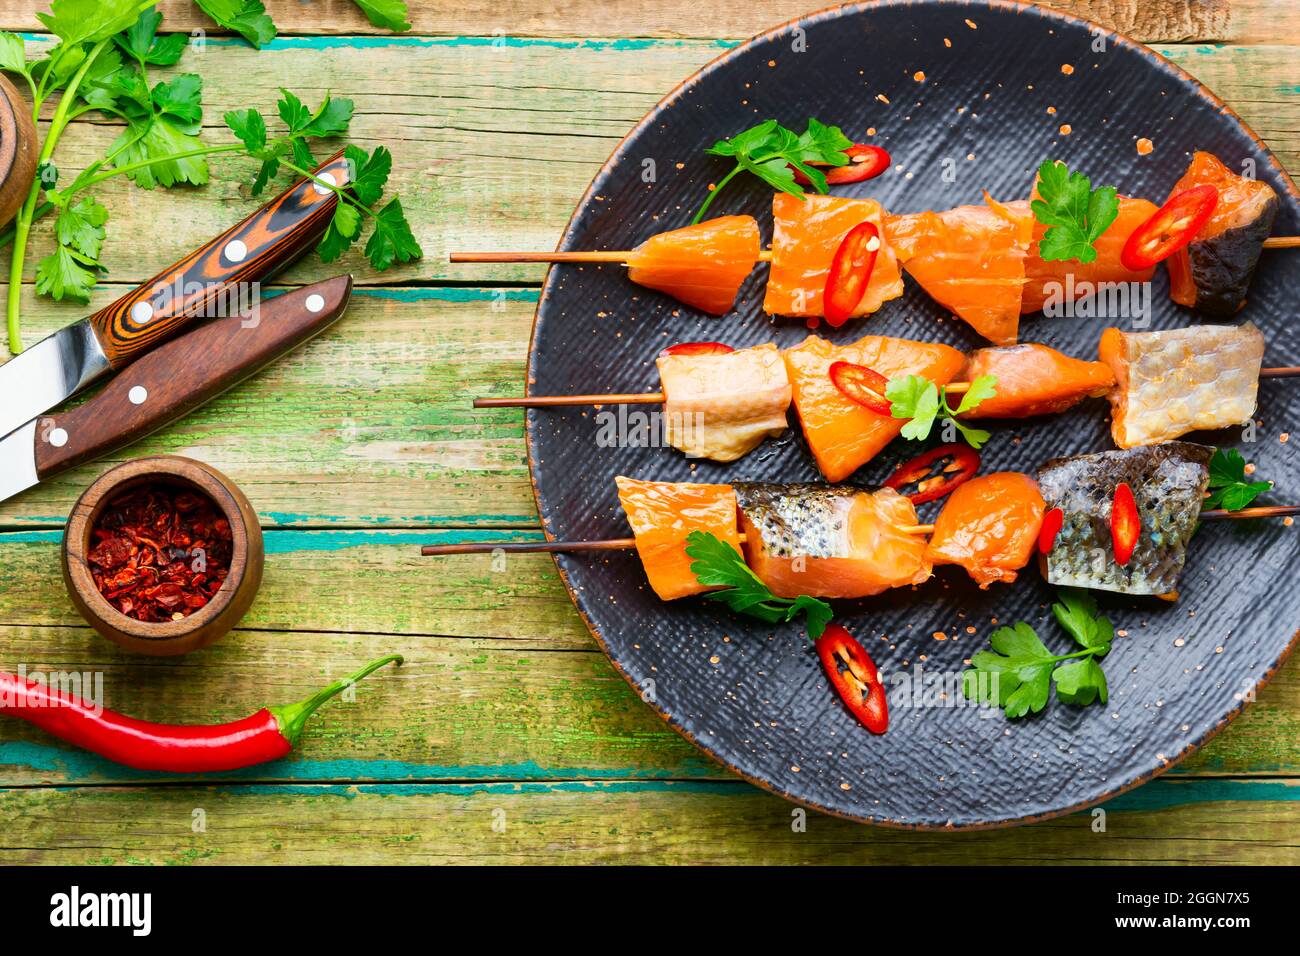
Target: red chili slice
x=858 y=683
x=861 y=384
x=1052 y=522
x=1125 y=525
x=965 y=463
x=697 y=348
x=850 y=272
x=865 y=162
x=1173 y=226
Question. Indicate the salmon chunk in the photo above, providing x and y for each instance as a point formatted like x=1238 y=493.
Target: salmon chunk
x=662 y=514
x=1034 y=380
x=842 y=434
x=702 y=265
x=830 y=542
x=1178 y=381
x=721 y=406
x=806 y=233
x=971 y=260
x=989 y=526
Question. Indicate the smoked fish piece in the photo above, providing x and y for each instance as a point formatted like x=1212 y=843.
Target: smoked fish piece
x=1034 y=380
x=702 y=265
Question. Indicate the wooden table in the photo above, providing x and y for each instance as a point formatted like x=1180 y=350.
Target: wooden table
x=507 y=737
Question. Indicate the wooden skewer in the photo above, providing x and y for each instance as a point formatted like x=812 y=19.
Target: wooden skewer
x=626 y=544
x=657 y=398
x=623 y=255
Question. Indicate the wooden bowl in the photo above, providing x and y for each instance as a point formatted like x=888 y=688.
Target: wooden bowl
x=17 y=150
x=209 y=622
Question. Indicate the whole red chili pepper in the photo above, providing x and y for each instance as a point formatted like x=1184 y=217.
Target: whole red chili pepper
x=269 y=734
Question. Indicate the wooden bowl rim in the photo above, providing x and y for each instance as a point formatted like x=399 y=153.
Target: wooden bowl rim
x=11 y=122
x=177 y=470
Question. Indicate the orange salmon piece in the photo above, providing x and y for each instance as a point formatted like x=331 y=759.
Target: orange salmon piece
x=971 y=260
x=842 y=434
x=702 y=265
x=1034 y=380
x=830 y=542
x=806 y=233
x=662 y=514
x=1046 y=281
x=989 y=526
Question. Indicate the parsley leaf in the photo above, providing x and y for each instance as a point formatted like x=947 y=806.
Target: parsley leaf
x=142 y=43
x=1229 y=488
x=341 y=233
x=1017 y=674
x=392 y=238
x=771 y=152
x=924 y=402
x=718 y=564
x=390 y=14
x=73 y=268
x=88 y=21
x=1076 y=214
x=81 y=226
x=246 y=17
x=13 y=53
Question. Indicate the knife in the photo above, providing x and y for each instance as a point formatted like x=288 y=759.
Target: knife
x=66 y=362
x=167 y=383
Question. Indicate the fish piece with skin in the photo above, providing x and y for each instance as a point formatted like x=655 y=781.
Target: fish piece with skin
x=1181 y=380
x=721 y=406
x=662 y=514
x=989 y=526
x=971 y=260
x=1034 y=380
x=843 y=435
x=806 y=234
x=1050 y=282
x=1168 y=483
x=1213 y=272
x=830 y=542
x=703 y=265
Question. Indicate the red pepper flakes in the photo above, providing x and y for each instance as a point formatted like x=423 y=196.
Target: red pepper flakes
x=160 y=552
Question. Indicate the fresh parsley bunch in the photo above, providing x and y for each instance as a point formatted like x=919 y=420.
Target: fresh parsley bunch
x=1229 y=488
x=1024 y=670
x=769 y=150
x=1075 y=214
x=924 y=402
x=718 y=564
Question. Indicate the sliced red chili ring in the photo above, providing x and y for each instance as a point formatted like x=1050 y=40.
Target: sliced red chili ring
x=1173 y=226
x=861 y=384
x=854 y=676
x=850 y=272
x=697 y=348
x=865 y=162
x=1052 y=522
x=965 y=463
x=1125 y=524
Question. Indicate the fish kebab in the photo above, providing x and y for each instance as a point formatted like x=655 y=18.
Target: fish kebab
x=720 y=403
x=838 y=258
x=1115 y=521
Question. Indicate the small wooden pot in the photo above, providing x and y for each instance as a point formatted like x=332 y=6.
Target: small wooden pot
x=209 y=622
x=17 y=150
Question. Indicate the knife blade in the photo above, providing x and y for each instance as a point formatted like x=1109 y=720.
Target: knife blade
x=204 y=283
x=167 y=383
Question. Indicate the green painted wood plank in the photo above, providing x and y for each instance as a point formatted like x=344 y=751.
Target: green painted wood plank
x=1241 y=822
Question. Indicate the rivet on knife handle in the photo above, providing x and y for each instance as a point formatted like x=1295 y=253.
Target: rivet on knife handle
x=207 y=281
x=178 y=377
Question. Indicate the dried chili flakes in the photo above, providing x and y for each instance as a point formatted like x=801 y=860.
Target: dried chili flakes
x=160 y=552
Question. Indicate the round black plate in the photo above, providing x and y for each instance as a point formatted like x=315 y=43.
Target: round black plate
x=755 y=698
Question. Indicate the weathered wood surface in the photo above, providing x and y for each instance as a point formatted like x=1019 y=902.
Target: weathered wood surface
x=361 y=447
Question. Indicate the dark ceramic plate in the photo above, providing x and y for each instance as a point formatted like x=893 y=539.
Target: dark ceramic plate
x=755 y=698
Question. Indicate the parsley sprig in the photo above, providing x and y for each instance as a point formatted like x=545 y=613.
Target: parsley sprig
x=924 y=402
x=1019 y=671
x=101 y=64
x=1229 y=488
x=249 y=19
x=1075 y=214
x=718 y=564
x=769 y=150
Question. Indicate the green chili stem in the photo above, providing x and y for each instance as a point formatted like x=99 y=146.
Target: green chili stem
x=292 y=718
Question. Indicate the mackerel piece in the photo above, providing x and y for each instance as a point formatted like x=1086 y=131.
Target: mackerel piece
x=1168 y=482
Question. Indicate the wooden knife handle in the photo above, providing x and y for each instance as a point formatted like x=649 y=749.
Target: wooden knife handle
x=207 y=282
x=176 y=378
